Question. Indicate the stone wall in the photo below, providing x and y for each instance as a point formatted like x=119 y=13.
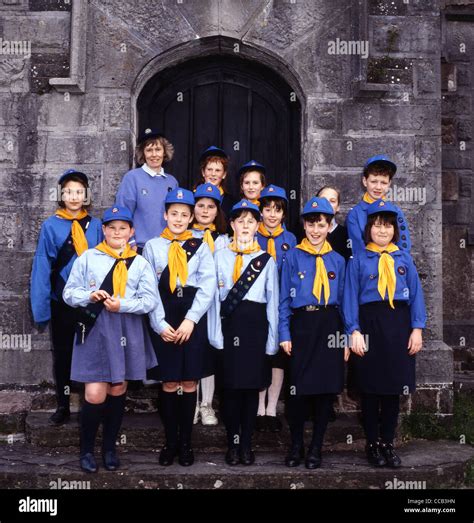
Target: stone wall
x=353 y=107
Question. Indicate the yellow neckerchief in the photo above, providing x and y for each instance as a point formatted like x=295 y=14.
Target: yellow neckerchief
x=120 y=275
x=177 y=259
x=387 y=277
x=270 y=235
x=255 y=202
x=207 y=234
x=368 y=199
x=321 y=277
x=255 y=247
x=79 y=239
x=221 y=190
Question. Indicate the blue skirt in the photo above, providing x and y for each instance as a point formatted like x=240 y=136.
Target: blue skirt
x=118 y=348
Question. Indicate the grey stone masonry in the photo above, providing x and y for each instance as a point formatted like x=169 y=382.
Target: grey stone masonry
x=367 y=75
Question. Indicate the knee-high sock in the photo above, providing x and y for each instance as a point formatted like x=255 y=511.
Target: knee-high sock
x=261 y=402
x=186 y=416
x=113 y=416
x=323 y=405
x=274 y=391
x=232 y=405
x=169 y=416
x=296 y=418
x=390 y=407
x=370 y=416
x=91 y=417
x=207 y=388
x=248 y=417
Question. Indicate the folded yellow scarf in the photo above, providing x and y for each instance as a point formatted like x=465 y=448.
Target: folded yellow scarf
x=79 y=239
x=368 y=199
x=177 y=259
x=270 y=235
x=255 y=247
x=207 y=234
x=321 y=277
x=387 y=277
x=120 y=275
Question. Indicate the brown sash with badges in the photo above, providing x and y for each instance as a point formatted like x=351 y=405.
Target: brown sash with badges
x=87 y=316
x=243 y=284
x=65 y=254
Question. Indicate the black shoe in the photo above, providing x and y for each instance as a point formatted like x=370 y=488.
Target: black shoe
x=232 y=456
x=294 y=456
x=374 y=455
x=313 y=458
x=167 y=456
x=273 y=424
x=88 y=463
x=186 y=456
x=393 y=461
x=247 y=457
x=261 y=423
x=110 y=460
x=61 y=416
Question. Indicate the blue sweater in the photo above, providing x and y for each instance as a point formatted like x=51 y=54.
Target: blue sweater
x=145 y=196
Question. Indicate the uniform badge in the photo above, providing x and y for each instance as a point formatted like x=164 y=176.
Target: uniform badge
x=285 y=247
x=192 y=243
x=372 y=276
x=381 y=204
x=400 y=219
x=221 y=283
x=209 y=189
x=92 y=283
x=314 y=204
x=258 y=263
x=401 y=270
x=244 y=204
x=115 y=209
x=301 y=275
x=271 y=189
x=144 y=192
x=179 y=195
x=147 y=131
x=331 y=275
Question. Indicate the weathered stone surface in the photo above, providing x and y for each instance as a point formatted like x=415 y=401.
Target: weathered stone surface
x=50 y=5
x=437 y=463
x=44 y=66
x=419 y=119
x=426 y=79
x=44 y=31
x=450 y=185
x=25 y=367
x=404 y=35
x=434 y=364
x=14 y=406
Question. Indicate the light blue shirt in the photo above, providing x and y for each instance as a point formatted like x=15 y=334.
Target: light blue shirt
x=219 y=243
x=264 y=290
x=201 y=275
x=90 y=270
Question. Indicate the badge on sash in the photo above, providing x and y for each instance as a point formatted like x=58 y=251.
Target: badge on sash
x=331 y=275
x=401 y=270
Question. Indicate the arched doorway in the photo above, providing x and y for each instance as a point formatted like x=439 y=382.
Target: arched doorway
x=237 y=104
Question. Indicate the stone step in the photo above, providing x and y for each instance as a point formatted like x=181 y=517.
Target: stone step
x=463 y=358
x=145 y=431
x=426 y=464
x=14 y=407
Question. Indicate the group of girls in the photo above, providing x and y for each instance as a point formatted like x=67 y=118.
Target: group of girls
x=189 y=287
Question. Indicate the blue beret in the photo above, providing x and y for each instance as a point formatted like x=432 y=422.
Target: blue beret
x=117 y=213
x=317 y=205
x=273 y=191
x=381 y=158
x=72 y=172
x=147 y=134
x=213 y=151
x=381 y=206
x=208 y=190
x=246 y=206
x=252 y=166
x=180 y=195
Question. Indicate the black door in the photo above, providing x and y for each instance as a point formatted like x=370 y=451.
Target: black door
x=235 y=104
